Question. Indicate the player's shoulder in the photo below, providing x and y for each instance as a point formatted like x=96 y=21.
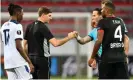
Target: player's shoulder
x=102 y=20
x=34 y=22
x=30 y=24
x=94 y=29
x=19 y=25
x=14 y=24
x=37 y=22
x=119 y=18
x=41 y=24
x=5 y=23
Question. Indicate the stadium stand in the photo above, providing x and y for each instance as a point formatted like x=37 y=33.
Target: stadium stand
x=124 y=9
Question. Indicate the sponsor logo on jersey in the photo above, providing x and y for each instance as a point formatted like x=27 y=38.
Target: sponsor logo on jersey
x=19 y=32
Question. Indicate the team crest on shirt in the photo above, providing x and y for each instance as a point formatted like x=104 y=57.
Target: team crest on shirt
x=19 y=32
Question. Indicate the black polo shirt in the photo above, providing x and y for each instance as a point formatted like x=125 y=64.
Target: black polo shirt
x=38 y=36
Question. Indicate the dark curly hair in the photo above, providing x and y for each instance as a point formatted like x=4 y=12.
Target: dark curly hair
x=12 y=9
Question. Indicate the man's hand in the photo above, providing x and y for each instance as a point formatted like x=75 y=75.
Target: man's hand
x=94 y=64
x=72 y=35
x=76 y=33
x=90 y=62
x=31 y=67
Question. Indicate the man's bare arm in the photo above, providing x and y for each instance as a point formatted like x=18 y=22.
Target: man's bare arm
x=58 y=42
x=98 y=43
x=21 y=50
x=23 y=53
x=96 y=46
x=84 y=40
x=25 y=46
x=126 y=44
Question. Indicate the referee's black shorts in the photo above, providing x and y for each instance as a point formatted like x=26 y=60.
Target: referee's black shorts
x=42 y=67
x=116 y=70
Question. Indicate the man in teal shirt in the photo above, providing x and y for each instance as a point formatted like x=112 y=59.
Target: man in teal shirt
x=92 y=36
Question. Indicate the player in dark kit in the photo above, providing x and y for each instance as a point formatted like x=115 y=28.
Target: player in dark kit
x=38 y=38
x=126 y=38
x=111 y=35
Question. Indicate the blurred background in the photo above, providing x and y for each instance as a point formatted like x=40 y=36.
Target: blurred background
x=70 y=60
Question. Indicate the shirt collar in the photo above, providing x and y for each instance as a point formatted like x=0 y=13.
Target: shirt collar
x=14 y=21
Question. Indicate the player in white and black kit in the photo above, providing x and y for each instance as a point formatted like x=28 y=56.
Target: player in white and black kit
x=38 y=37
x=15 y=58
x=111 y=34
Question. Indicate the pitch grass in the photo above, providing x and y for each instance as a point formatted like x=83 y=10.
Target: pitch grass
x=68 y=78
x=82 y=78
x=73 y=77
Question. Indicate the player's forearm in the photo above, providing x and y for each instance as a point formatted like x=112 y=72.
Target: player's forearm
x=80 y=40
x=62 y=41
x=25 y=46
x=84 y=40
x=26 y=49
x=126 y=44
x=24 y=55
x=96 y=48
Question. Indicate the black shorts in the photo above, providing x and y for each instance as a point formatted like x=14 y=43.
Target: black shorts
x=97 y=58
x=98 y=61
x=116 y=70
x=42 y=67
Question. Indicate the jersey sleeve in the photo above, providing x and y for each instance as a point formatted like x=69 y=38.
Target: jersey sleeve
x=46 y=32
x=26 y=32
x=100 y=25
x=91 y=35
x=126 y=31
x=19 y=32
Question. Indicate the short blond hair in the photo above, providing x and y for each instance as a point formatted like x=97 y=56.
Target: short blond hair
x=106 y=1
x=44 y=10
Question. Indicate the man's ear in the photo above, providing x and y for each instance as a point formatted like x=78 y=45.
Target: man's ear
x=17 y=14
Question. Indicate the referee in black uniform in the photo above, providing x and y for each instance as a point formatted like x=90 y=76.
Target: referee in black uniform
x=36 y=43
x=111 y=34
